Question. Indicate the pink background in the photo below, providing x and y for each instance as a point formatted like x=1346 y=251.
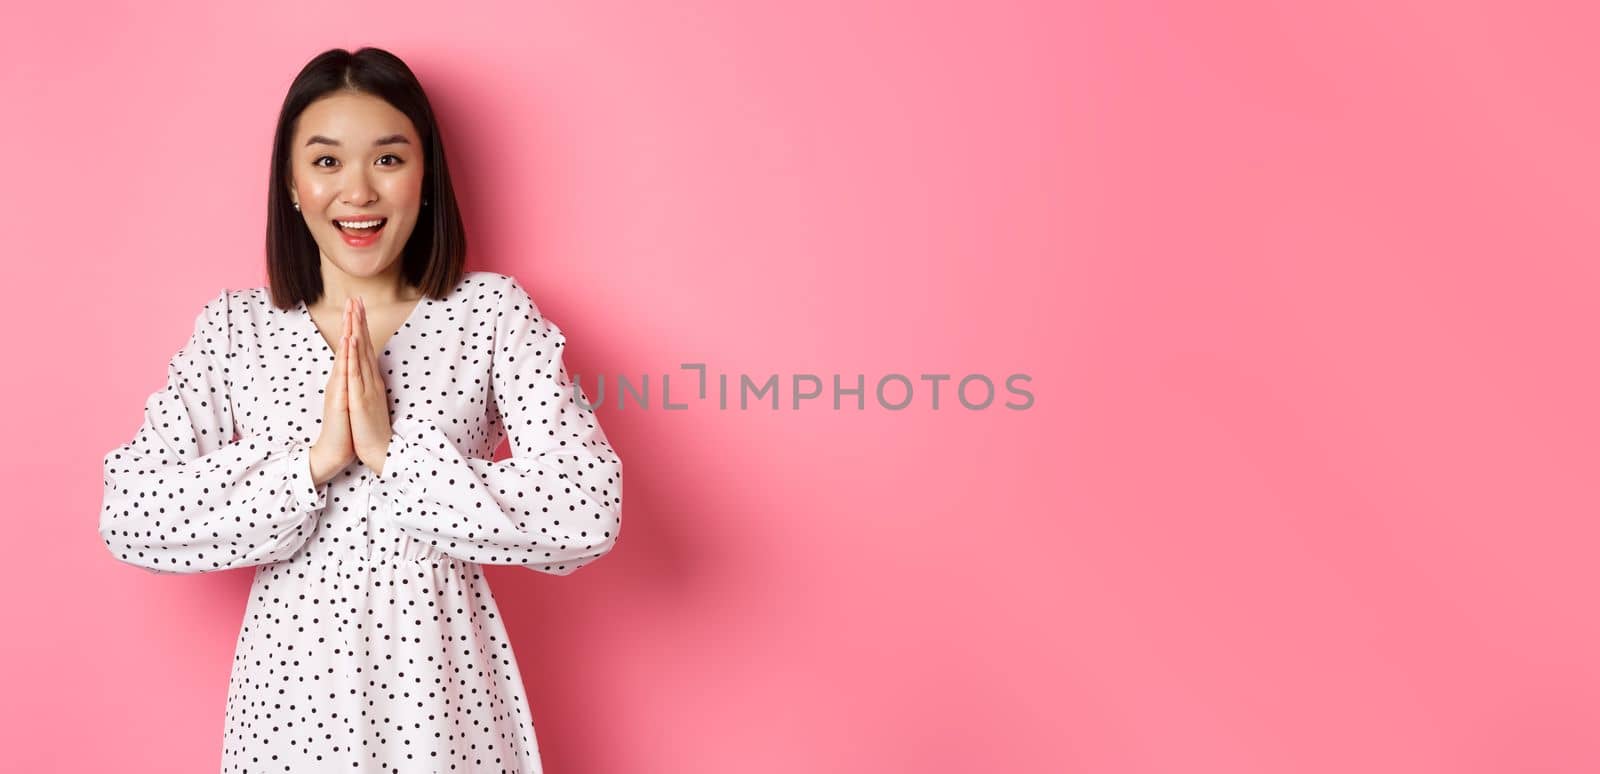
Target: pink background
x=1307 y=296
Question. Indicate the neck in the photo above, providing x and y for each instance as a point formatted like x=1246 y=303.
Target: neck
x=387 y=287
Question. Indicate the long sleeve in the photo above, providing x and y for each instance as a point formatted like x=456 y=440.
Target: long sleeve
x=554 y=505
x=185 y=495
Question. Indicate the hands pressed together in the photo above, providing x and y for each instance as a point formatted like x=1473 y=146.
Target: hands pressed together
x=355 y=414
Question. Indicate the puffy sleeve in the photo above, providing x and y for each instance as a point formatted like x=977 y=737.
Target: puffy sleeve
x=186 y=495
x=554 y=505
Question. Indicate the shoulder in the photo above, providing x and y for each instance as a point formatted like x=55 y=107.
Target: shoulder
x=504 y=292
x=233 y=313
x=238 y=299
x=484 y=290
x=249 y=306
x=515 y=312
x=213 y=324
x=490 y=281
x=216 y=313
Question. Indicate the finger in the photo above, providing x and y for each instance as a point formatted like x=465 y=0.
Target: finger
x=368 y=360
x=349 y=384
x=357 y=330
x=363 y=359
x=341 y=371
x=365 y=363
x=353 y=380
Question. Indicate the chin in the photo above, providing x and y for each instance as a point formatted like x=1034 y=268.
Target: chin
x=358 y=263
x=369 y=267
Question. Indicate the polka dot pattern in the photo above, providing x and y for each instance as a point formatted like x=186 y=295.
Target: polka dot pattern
x=371 y=640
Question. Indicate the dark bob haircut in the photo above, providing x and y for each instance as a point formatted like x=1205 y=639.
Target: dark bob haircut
x=434 y=258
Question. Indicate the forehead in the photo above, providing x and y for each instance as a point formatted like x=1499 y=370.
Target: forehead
x=352 y=118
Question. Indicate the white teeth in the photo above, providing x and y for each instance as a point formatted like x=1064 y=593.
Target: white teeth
x=358 y=223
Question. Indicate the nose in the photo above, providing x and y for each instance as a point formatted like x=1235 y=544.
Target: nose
x=358 y=191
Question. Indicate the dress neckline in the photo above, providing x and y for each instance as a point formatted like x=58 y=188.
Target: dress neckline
x=328 y=352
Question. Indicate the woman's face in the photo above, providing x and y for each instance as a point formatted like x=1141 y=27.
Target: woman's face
x=355 y=159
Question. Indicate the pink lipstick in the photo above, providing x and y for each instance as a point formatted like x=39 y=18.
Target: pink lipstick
x=360 y=230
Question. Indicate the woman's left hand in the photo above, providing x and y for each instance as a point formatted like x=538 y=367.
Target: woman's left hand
x=367 y=398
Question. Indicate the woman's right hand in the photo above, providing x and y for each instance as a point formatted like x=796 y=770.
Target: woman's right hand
x=335 y=447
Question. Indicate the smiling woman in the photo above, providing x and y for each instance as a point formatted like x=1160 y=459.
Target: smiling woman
x=348 y=459
x=359 y=176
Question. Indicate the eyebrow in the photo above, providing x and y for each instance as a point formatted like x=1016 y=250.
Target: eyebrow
x=393 y=139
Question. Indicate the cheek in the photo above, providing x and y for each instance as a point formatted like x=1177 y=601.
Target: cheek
x=316 y=192
x=406 y=189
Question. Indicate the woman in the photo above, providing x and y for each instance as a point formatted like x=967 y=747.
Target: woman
x=334 y=432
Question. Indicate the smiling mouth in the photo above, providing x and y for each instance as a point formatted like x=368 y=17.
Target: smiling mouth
x=372 y=227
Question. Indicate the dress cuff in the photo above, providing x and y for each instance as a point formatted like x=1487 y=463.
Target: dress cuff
x=307 y=494
x=397 y=462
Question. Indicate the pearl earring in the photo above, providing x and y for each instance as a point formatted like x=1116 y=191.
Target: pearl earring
x=297 y=206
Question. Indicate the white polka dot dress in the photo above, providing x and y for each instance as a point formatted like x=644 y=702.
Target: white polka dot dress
x=371 y=641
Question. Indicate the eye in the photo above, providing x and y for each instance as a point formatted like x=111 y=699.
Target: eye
x=317 y=162
x=397 y=160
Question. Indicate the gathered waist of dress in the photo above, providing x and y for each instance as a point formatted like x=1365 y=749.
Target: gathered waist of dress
x=352 y=561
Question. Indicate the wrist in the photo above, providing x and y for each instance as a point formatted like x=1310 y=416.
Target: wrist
x=323 y=469
x=374 y=457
